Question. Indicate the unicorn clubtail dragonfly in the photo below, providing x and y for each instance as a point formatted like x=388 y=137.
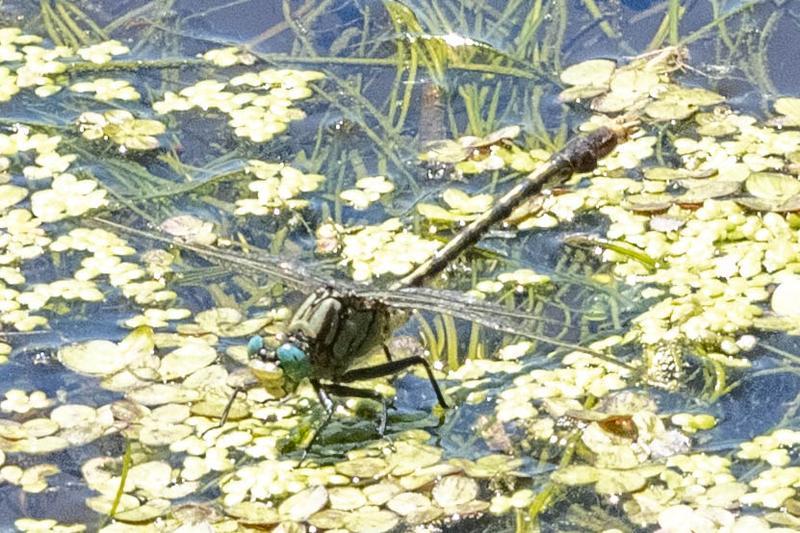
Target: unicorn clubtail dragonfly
x=340 y=323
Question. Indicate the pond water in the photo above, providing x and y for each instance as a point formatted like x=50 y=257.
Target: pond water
x=619 y=354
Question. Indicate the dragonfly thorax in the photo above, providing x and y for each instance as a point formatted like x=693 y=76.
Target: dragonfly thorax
x=336 y=329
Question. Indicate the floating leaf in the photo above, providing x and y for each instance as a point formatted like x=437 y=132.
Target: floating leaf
x=634 y=81
x=715 y=124
x=380 y=493
x=102 y=357
x=121 y=127
x=328 y=519
x=214 y=409
x=299 y=507
x=488 y=466
x=670 y=110
x=189 y=228
x=407 y=503
x=152 y=476
x=786 y=298
x=425 y=476
x=163 y=393
x=445 y=151
x=106 y=89
x=229 y=56
x=664 y=223
x=10 y=195
x=758 y=204
x=592 y=72
x=144 y=513
x=254 y=513
x=507 y=133
x=452 y=491
x=620 y=482
x=428 y=514
x=411 y=456
x=695 y=95
x=367 y=190
x=346 y=498
x=71 y=415
x=464 y=203
x=581 y=92
x=187 y=359
x=616 y=102
x=772 y=186
x=576 y=475
x=648 y=203
x=440 y=214
x=164 y=434
x=701 y=191
x=674 y=174
x=790 y=109
x=101 y=53
x=684 y=518
x=371 y=519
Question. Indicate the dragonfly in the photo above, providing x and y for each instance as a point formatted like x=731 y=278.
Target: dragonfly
x=339 y=324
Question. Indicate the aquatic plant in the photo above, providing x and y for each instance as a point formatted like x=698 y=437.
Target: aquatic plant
x=692 y=258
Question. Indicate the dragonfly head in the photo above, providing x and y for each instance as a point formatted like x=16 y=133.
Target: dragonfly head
x=291 y=356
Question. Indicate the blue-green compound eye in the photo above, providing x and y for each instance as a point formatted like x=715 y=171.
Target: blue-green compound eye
x=289 y=353
x=294 y=362
x=255 y=345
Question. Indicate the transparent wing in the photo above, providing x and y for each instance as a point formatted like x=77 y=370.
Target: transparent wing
x=413 y=298
x=455 y=303
x=257 y=263
x=469 y=308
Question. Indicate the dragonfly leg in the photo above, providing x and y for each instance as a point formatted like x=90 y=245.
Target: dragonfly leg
x=344 y=390
x=387 y=353
x=225 y=412
x=328 y=405
x=393 y=367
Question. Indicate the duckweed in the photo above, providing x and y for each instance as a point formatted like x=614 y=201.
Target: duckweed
x=712 y=239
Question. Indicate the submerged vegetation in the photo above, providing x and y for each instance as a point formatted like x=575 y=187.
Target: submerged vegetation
x=642 y=371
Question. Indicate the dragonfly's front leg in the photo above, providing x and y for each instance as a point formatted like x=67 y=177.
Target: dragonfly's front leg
x=225 y=412
x=393 y=367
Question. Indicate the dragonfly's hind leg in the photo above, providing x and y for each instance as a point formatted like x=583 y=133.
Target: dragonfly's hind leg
x=343 y=390
x=393 y=367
